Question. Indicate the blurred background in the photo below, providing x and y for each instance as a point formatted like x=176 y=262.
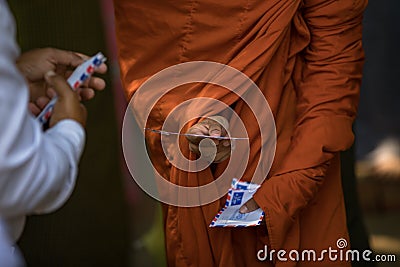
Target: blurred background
x=109 y=221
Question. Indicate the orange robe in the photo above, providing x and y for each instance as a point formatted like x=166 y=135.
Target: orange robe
x=306 y=56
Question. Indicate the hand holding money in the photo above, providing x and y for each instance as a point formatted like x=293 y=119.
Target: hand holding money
x=215 y=126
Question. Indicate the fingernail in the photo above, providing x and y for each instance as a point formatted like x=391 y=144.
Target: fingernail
x=243 y=209
x=50 y=73
x=226 y=143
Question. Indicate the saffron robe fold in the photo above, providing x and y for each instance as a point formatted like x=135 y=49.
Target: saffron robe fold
x=306 y=57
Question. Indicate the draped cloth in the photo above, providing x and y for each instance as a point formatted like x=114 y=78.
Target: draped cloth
x=306 y=57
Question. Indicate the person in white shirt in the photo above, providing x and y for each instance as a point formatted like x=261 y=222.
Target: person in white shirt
x=37 y=168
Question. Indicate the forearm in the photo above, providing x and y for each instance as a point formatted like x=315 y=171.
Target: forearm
x=38 y=176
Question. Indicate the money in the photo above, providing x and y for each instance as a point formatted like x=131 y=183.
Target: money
x=195 y=135
x=77 y=78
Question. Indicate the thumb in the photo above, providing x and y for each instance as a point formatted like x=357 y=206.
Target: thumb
x=59 y=84
x=249 y=206
x=68 y=105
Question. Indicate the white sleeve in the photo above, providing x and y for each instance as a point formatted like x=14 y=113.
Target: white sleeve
x=9 y=256
x=37 y=169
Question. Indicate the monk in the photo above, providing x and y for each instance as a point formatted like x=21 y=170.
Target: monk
x=306 y=57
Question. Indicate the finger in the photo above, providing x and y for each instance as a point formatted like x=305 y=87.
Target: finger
x=222 y=121
x=100 y=69
x=51 y=93
x=63 y=69
x=200 y=129
x=42 y=101
x=214 y=129
x=226 y=143
x=208 y=149
x=83 y=56
x=35 y=110
x=68 y=73
x=222 y=154
x=194 y=148
x=220 y=157
x=249 y=206
x=78 y=92
x=97 y=83
x=60 y=85
x=67 y=58
x=87 y=93
x=197 y=129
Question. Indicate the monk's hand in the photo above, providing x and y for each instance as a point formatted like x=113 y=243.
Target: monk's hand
x=215 y=126
x=249 y=206
x=34 y=64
